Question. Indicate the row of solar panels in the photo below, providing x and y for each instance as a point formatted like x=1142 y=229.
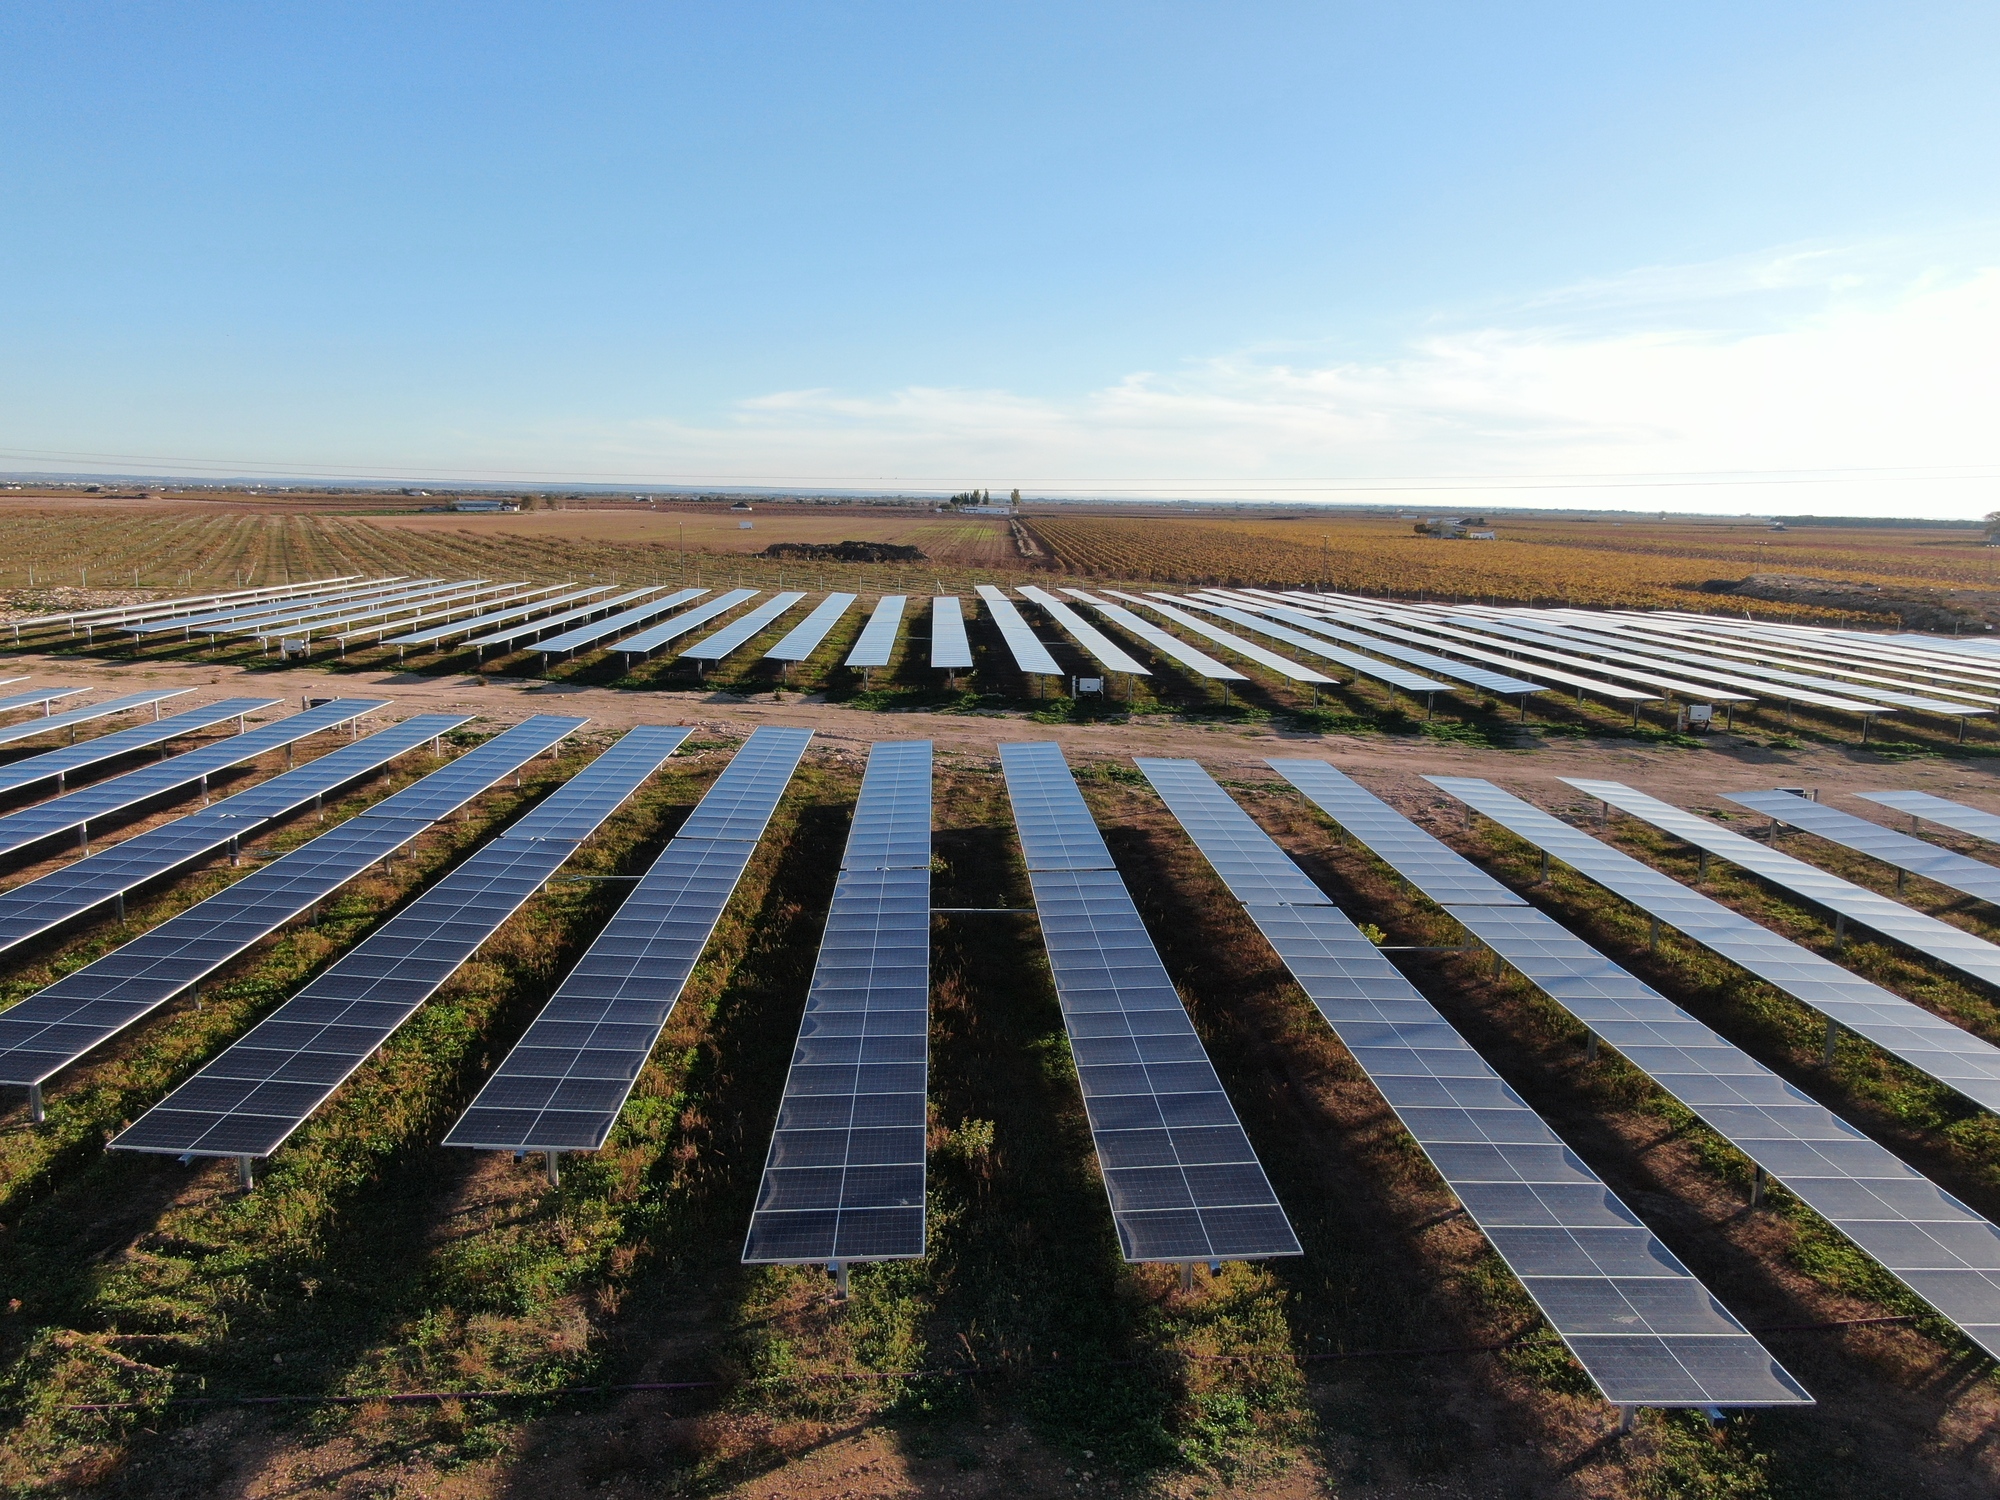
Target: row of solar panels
x=844 y=1178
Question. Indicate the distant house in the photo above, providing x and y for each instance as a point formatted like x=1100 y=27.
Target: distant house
x=484 y=506
x=741 y=505
x=1457 y=529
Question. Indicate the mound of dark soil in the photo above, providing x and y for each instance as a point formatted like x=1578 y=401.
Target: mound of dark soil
x=1946 y=610
x=850 y=552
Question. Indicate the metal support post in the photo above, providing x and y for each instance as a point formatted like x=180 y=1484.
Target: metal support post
x=1628 y=1418
x=246 y=1172
x=1901 y=876
x=1832 y=1041
x=552 y=1167
x=1758 y=1182
x=1701 y=869
x=35 y=1110
x=839 y=1269
x=1590 y=1048
x=1839 y=931
x=118 y=902
x=1653 y=937
x=204 y=791
x=1544 y=880
x=1187 y=1275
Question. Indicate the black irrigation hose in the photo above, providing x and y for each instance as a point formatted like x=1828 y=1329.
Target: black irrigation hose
x=964 y=1372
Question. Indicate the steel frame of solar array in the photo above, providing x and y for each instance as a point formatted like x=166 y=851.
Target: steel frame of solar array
x=39 y=698
x=1030 y=655
x=34 y=907
x=1095 y=644
x=248 y=1101
x=1183 y=1182
x=1935 y=1245
x=844 y=1177
x=1170 y=646
x=1597 y=1273
x=950 y=650
x=1953 y=815
x=1927 y=1042
x=877 y=641
x=74 y=812
x=738 y=631
x=266 y=623
x=1250 y=650
x=59 y=1025
x=525 y=629
x=190 y=603
x=1908 y=856
x=564 y=1083
x=438 y=633
x=342 y=622
x=27 y=729
x=1949 y=945
x=272 y=608
x=804 y=638
x=651 y=639
x=463 y=614
x=60 y=764
x=625 y=619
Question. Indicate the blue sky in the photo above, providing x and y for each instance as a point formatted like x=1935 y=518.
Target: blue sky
x=1594 y=253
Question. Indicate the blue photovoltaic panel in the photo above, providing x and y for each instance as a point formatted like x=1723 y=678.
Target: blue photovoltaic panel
x=54 y=765
x=681 y=624
x=565 y=1082
x=844 y=1177
x=1927 y=1042
x=181 y=773
x=739 y=630
x=275 y=608
x=498 y=617
x=27 y=729
x=1095 y=643
x=1182 y=1179
x=878 y=637
x=610 y=625
x=1601 y=1278
x=950 y=651
x=1914 y=856
x=465 y=612
x=1283 y=666
x=1029 y=654
x=1953 y=815
x=37 y=698
x=32 y=908
x=804 y=638
x=526 y=628
x=1365 y=666
x=1949 y=945
x=56 y=1026
x=338 y=620
x=1371 y=637
x=1202 y=664
x=266 y=1085
x=1933 y=1243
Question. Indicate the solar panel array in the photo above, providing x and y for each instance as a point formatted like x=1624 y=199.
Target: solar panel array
x=1182 y=1179
x=804 y=638
x=1972 y=876
x=610 y=625
x=950 y=651
x=57 y=765
x=58 y=1025
x=526 y=629
x=77 y=810
x=1927 y=935
x=877 y=643
x=1107 y=653
x=1638 y=1321
x=271 y=609
x=418 y=603
x=1366 y=666
x=844 y=1177
x=1429 y=661
x=739 y=630
x=1172 y=646
x=565 y=1082
x=27 y=729
x=39 y=698
x=436 y=633
x=1029 y=654
x=187 y=604
x=1283 y=666
x=1953 y=815
x=679 y=625
x=269 y=1083
x=36 y=906
x=1934 y=1244
x=1925 y=1041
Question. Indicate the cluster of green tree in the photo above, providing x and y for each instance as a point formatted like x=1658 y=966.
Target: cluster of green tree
x=980 y=497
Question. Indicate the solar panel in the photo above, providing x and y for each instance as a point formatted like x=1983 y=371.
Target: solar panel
x=1925 y=1041
x=35 y=906
x=1953 y=815
x=526 y=629
x=59 y=765
x=1810 y=659
x=1283 y=666
x=1914 y=856
x=844 y=1177
x=273 y=609
x=188 y=604
x=1172 y=646
x=679 y=625
x=950 y=651
x=1095 y=643
x=437 y=633
x=565 y=1082
x=1947 y=944
x=1599 y=1275
x=39 y=698
x=1029 y=654
x=804 y=638
x=1930 y=1241
x=1366 y=666
x=60 y=1024
x=465 y=614
x=343 y=621
x=878 y=637
x=1183 y=1182
x=1441 y=873
x=1533 y=644
x=610 y=625
x=1371 y=635
x=27 y=729
x=269 y=1083
x=77 y=810
x=739 y=630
